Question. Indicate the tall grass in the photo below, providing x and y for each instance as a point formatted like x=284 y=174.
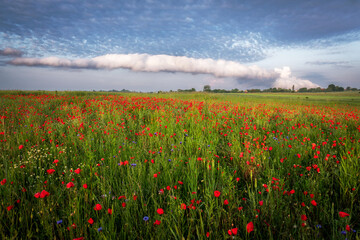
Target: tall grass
x=273 y=161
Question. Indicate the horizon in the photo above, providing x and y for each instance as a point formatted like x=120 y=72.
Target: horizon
x=149 y=46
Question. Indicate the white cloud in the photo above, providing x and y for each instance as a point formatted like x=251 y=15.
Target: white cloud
x=155 y=63
x=287 y=81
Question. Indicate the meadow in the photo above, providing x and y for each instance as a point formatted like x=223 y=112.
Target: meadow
x=90 y=165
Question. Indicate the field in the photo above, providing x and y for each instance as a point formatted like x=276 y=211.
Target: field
x=179 y=166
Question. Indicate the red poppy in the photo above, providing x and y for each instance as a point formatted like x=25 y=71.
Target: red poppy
x=303 y=217
x=10 y=207
x=157 y=222
x=85 y=186
x=250 y=227
x=110 y=211
x=313 y=203
x=91 y=221
x=217 y=193
x=183 y=206
x=261 y=203
x=160 y=211
x=97 y=207
x=343 y=214
x=3 y=181
x=77 y=171
x=21 y=147
x=348 y=228
x=70 y=185
x=50 y=171
x=226 y=202
x=234 y=231
x=44 y=194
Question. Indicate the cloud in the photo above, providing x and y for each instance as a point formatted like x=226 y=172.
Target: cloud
x=11 y=52
x=155 y=63
x=287 y=81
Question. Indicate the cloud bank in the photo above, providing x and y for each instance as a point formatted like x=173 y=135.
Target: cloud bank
x=279 y=77
x=155 y=63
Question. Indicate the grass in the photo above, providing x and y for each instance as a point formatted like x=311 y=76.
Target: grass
x=274 y=158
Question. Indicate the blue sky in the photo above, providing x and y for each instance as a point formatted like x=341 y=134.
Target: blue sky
x=162 y=45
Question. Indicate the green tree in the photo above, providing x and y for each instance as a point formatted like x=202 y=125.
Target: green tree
x=207 y=88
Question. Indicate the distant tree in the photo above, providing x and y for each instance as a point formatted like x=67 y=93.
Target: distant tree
x=207 y=88
x=303 y=89
x=293 y=88
x=331 y=88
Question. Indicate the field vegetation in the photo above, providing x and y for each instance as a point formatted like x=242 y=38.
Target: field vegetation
x=96 y=165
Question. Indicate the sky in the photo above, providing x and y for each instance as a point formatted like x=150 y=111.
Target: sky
x=153 y=45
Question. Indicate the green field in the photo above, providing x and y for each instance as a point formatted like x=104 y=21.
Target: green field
x=99 y=165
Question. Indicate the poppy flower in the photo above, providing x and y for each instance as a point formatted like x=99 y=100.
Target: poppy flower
x=97 y=207
x=183 y=206
x=21 y=147
x=70 y=185
x=226 y=202
x=44 y=194
x=3 y=181
x=313 y=203
x=85 y=186
x=91 y=221
x=77 y=171
x=217 y=193
x=343 y=214
x=157 y=222
x=160 y=211
x=234 y=231
x=10 y=207
x=110 y=211
x=303 y=217
x=250 y=227
x=50 y=171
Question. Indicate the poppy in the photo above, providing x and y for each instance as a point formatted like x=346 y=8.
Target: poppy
x=250 y=227
x=343 y=214
x=217 y=193
x=91 y=221
x=44 y=194
x=97 y=207
x=160 y=211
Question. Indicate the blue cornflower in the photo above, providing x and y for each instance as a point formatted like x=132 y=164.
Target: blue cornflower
x=133 y=164
x=146 y=218
x=100 y=229
x=59 y=222
x=343 y=232
x=169 y=160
